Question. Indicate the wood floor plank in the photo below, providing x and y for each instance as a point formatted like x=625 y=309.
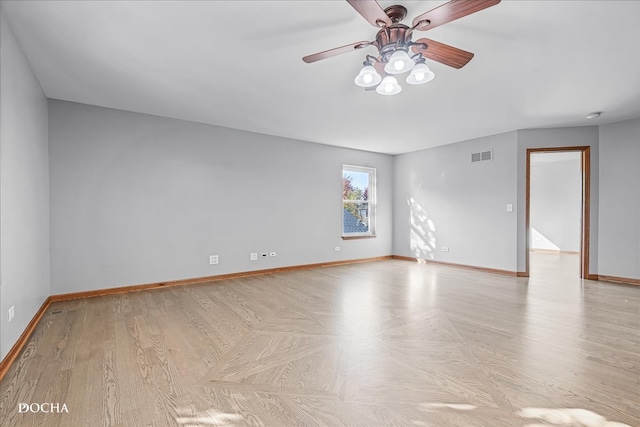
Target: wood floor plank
x=388 y=343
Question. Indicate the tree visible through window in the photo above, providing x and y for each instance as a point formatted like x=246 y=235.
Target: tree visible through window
x=358 y=201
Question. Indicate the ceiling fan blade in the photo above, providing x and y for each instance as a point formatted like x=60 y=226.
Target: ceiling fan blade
x=371 y=11
x=443 y=53
x=451 y=11
x=335 y=51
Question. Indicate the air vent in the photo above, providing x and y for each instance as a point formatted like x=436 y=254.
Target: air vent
x=482 y=156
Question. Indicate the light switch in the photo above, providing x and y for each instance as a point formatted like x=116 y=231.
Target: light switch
x=509 y=207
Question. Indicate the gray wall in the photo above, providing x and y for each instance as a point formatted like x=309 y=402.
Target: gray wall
x=24 y=191
x=140 y=199
x=560 y=137
x=619 y=227
x=556 y=195
x=441 y=199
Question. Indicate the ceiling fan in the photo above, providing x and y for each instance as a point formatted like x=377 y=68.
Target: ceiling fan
x=393 y=42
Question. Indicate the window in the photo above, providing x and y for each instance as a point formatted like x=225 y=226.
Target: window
x=358 y=201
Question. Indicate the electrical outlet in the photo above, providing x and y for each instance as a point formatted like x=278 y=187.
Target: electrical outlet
x=253 y=256
x=11 y=313
x=213 y=259
x=337 y=249
x=272 y=254
x=445 y=249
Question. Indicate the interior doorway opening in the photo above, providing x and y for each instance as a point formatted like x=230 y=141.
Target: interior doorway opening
x=557 y=210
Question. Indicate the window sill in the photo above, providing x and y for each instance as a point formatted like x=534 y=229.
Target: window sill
x=368 y=236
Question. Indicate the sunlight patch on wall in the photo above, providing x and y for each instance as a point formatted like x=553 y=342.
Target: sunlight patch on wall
x=422 y=235
x=539 y=241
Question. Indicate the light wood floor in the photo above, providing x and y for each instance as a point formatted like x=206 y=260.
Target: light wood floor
x=390 y=343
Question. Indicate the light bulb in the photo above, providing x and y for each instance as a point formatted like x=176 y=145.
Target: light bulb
x=399 y=62
x=389 y=86
x=367 y=77
x=420 y=74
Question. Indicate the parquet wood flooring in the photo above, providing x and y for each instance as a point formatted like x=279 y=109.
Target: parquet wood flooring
x=388 y=343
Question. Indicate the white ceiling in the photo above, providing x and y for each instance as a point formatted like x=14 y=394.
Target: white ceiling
x=238 y=64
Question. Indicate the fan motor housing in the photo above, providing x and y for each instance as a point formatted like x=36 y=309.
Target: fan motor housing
x=391 y=39
x=396 y=13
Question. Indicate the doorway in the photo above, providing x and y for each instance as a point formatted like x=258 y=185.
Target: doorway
x=568 y=232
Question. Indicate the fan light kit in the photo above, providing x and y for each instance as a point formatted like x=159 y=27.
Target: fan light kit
x=394 y=44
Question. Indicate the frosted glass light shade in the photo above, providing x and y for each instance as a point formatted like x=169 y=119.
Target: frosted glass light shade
x=420 y=74
x=368 y=77
x=389 y=86
x=399 y=63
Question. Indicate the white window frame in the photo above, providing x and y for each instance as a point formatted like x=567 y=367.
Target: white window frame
x=371 y=201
